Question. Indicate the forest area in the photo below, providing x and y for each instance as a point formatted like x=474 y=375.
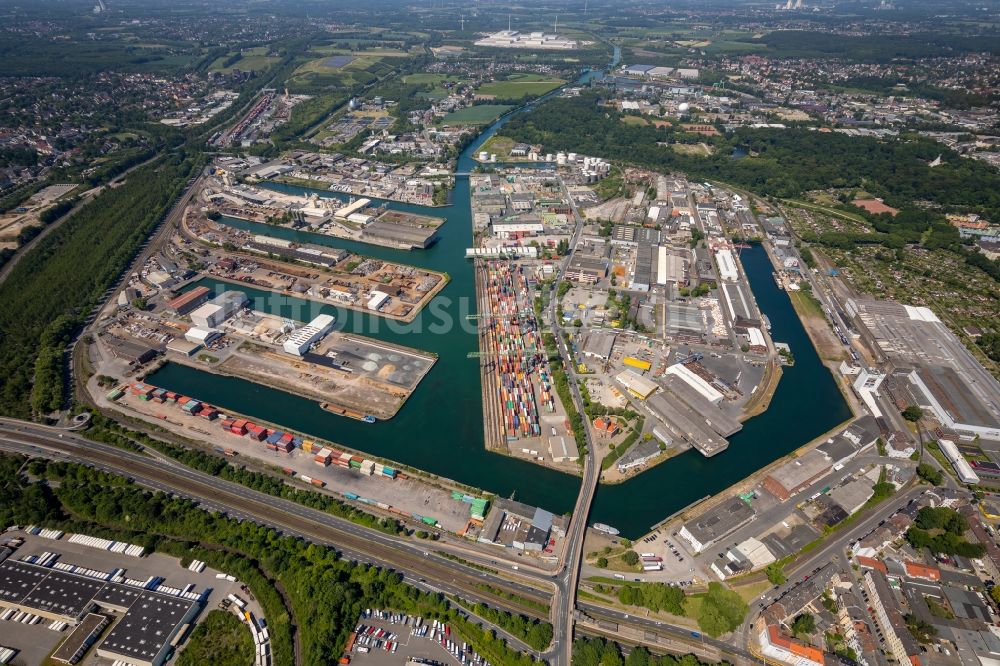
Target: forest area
x=57 y=283
x=784 y=163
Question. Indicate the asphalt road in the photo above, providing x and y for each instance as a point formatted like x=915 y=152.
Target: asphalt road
x=675 y=632
x=564 y=603
x=422 y=568
x=829 y=551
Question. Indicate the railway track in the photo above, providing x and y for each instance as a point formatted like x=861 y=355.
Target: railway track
x=293 y=519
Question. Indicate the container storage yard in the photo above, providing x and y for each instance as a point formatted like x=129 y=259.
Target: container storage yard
x=517 y=385
x=354 y=477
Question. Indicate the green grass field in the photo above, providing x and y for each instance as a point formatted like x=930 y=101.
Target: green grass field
x=520 y=85
x=220 y=639
x=252 y=60
x=426 y=77
x=435 y=80
x=319 y=66
x=483 y=114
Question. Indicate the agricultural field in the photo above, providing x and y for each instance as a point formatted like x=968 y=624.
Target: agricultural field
x=635 y=120
x=250 y=60
x=520 y=85
x=438 y=81
x=333 y=71
x=483 y=114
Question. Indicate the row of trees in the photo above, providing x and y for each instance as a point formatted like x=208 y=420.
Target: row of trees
x=58 y=282
x=599 y=652
x=533 y=632
x=785 y=163
x=107 y=431
x=304 y=588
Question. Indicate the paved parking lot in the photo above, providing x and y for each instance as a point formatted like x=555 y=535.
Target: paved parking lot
x=35 y=642
x=370 y=650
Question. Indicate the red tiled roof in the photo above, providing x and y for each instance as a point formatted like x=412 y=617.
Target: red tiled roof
x=917 y=570
x=871 y=563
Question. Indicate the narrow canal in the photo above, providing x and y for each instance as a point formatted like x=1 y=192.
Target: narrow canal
x=440 y=427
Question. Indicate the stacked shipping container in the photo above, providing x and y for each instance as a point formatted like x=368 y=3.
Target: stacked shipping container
x=516 y=344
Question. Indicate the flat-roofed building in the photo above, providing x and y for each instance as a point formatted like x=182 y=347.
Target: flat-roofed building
x=561 y=450
x=941 y=390
x=626 y=234
x=747 y=556
x=219 y=309
x=962 y=467
x=301 y=339
x=587 y=269
x=84 y=635
x=696 y=427
x=598 y=344
x=716 y=523
x=400 y=234
x=131 y=350
x=141 y=636
x=853 y=495
x=797 y=474
x=671 y=267
x=505 y=230
x=945 y=378
x=706 y=390
x=642 y=276
x=727 y=265
x=636 y=384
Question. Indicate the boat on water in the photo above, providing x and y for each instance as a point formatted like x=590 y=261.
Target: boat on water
x=767 y=322
x=349 y=413
x=607 y=529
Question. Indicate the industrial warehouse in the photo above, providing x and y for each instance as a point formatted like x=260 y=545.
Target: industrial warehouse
x=313 y=272
x=358 y=219
x=939 y=372
x=209 y=321
x=81 y=596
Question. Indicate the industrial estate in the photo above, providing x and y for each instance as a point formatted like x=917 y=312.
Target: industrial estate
x=643 y=334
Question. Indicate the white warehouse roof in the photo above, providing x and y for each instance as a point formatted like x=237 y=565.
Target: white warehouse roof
x=727 y=265
x=958 y=461
x=707 y=391
x=301 y=339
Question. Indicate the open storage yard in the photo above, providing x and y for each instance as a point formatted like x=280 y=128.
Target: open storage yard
x=379 y=485
x=345 y=371
x=333 y=275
